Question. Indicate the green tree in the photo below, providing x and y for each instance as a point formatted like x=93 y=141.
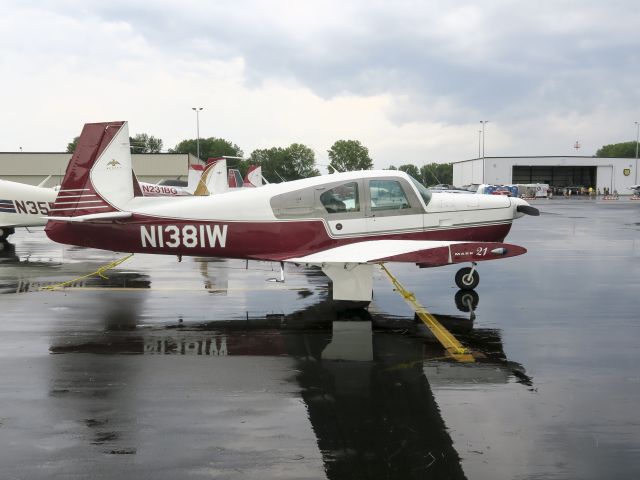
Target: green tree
x=392 y=167
x=618 y=150
x=301 y=162
x=145 y=143
x=209 y=148
x=291 y=163
x=71 y=146
x=141 y=143
x=434 y=173
x=410 y=169
x=349 y=155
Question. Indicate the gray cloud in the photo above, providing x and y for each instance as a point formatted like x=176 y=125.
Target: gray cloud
x=444 y=62
x=554 y=55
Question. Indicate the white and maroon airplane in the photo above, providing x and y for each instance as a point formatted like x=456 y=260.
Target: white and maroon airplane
x=345 y=223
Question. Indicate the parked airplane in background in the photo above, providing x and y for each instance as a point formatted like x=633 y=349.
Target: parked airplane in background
x=167 y=189
x=345 y=223
x=23 y=205
x=218 y=178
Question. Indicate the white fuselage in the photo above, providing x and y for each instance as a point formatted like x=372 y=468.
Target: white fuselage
x=24 y=205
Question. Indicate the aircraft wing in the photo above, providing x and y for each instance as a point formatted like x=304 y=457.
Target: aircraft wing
x=93 y=217
x=425 y=253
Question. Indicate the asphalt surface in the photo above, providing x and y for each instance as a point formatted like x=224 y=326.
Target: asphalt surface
x=205 y=369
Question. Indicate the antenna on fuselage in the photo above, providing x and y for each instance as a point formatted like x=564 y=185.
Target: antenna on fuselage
x=279 y=176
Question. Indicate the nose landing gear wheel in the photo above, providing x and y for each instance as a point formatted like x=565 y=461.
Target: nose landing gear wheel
x=466 y=279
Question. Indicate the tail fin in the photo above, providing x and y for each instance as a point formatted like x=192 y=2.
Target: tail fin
x=253 y=178
x=235 y=178
x=194 y=176
x=99 y=176
x=214 y=178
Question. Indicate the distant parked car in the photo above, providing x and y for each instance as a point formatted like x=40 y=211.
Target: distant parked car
x=501 y=191
x=473 y=187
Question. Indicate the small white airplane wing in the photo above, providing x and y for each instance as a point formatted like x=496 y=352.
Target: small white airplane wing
x=426 y=253
x=350 y=267
x=93 y=217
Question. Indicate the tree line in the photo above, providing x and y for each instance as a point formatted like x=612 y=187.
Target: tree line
x=618 y=150
x=298 y=161
x=288 y=163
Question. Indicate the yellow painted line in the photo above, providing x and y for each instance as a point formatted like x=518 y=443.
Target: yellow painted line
x=99 y=272
x=448 y=341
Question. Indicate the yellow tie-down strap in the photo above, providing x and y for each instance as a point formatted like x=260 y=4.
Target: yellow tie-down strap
x=446 y=338
x=99 y=272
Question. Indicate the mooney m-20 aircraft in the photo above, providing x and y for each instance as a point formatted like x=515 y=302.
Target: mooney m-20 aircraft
x=345 y=223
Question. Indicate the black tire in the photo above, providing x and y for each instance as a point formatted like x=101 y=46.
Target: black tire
x=466 y=300
x=465 y=283
x=5 y=232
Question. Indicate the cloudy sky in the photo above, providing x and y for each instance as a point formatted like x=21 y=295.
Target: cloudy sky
x=410 y=79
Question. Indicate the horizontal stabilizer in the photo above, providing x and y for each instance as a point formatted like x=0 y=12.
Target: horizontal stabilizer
x=93 y=217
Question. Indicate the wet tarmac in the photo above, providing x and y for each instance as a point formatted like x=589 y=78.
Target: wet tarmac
x=205 y=369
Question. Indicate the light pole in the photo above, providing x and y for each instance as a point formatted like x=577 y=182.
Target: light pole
x=479 y=137
x=483 y=122
x=197 y=110
x=637 y=139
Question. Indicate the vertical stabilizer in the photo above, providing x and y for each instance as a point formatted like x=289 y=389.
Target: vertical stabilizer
x=214 y=178
x=253 y=178
x=194 y=176
x=99 y=175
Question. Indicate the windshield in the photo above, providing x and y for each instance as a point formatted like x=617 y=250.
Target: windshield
x=424 y=193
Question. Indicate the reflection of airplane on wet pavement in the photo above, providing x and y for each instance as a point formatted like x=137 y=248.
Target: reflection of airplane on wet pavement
x=367 y=386
x=343 y=223
x=32 y=273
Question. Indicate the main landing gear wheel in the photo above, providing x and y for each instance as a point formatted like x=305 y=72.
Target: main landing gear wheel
x=5 y=232
x=467 y=278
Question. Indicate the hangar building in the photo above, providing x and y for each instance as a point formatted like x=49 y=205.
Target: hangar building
x=573 y=171
x=33 y=167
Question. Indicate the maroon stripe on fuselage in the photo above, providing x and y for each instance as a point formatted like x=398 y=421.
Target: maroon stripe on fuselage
x=245 y=240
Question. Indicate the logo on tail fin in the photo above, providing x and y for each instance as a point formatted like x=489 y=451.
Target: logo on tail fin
x=113 y=164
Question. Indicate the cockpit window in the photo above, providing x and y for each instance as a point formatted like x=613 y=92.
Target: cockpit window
x=387 y=195
x=424 y=192
x=340 y=199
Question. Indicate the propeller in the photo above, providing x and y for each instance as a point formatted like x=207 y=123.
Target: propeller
x=528 y=210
